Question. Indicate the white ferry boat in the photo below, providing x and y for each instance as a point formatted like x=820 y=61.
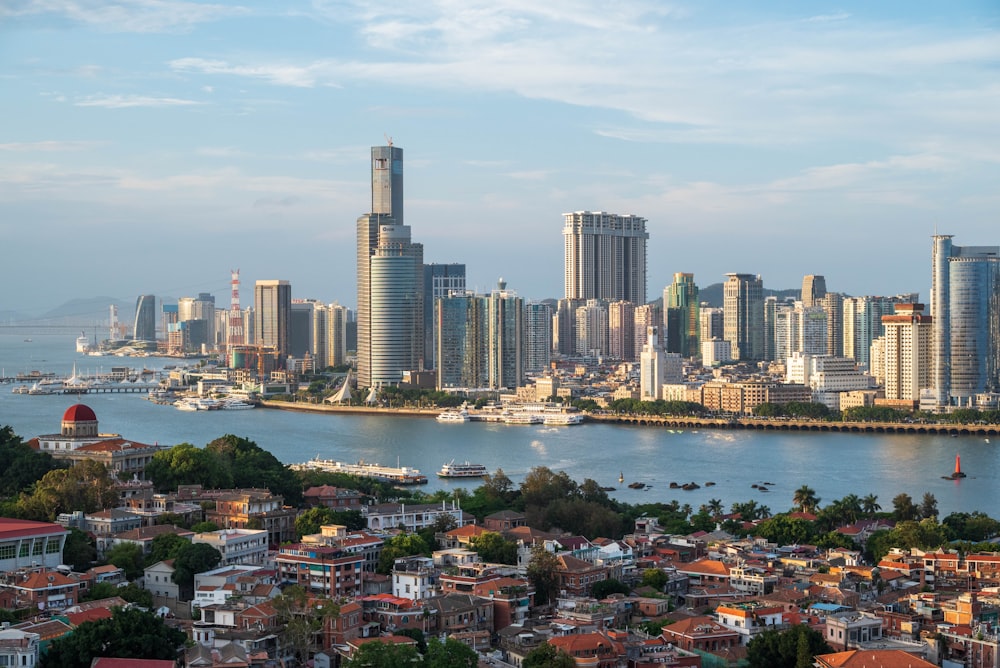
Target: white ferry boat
x=522 y=418
x=233 y=404
x=464 y=470
x=560 y=419
x=398 y=475
x=460 y=415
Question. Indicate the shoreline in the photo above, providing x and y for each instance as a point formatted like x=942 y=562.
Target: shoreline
x=674 y=422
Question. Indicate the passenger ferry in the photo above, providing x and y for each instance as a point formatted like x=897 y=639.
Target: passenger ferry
x=397 y=475
x=460 y=415
x=560 y=419
x=464 y=470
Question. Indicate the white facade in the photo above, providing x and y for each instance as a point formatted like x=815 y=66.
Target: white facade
x=592 y=329
x=651 y=367
x=237 y=546
x=605 y=256
x=18 y=648
x=715 y=351
x=414 y=578
x=907 y=362
x=158 y=579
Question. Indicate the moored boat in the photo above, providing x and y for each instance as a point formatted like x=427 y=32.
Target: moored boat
x=463 y=470
x=560 y=419
x=459 y=415
x=398 y=475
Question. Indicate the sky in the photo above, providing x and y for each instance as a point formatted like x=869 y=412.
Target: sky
x=151 y=146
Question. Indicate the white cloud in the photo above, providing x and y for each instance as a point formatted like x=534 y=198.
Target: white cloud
x=125 y=101
x=50 y=145
x=142 y=16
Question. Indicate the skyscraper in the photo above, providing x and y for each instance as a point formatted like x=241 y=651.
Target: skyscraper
x=439 y=281
x=272 y=300
x=605 y=256
x=390 y=280
x=813 y=290
x=681 y=310
x=965 y=317
x=743 y=315
x=506 y=338
x=621 y=331
x=906 y=356
x=145 y=318
x=537 y=337
x=651 y=367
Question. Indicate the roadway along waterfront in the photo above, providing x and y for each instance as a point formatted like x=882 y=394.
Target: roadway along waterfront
x=834 y=464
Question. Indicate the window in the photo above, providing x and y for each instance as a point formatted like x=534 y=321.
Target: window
x=36 y=548
x=52 y=546
x=8 y=551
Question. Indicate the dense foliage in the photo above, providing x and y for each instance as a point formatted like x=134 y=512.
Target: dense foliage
x=792 y=648
x=128 y=634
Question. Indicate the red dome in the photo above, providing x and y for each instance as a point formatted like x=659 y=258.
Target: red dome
x=79 y=413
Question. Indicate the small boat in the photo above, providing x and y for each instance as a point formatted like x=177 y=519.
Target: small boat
x=607 y=489
x=27 y=340
x=463 y=470
x=636 y=485
x=621 y=476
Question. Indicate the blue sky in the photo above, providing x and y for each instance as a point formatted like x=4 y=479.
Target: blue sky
x=148 y=146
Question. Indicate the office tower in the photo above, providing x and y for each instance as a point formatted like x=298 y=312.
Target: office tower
x=651 y=363
x=743 y=315
x=537 y=337
x=564 y=326
x=813 y=290
x=506 y=338
x=965 y=307
x=462 y=356
x=605 y=256
x=711 y=322
x=145 y=319
x=201 y=307
x=439 y=281
x=681 y=310
x=833 y=305
x=621 y=331
x=592 y=329
x=301 y=336
x=647 y=315
x=390 y=280
x=272 y=301
x=907 y=361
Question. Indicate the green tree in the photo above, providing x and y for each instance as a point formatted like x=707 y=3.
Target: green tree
x=381 y=654
x=252 y=466
x=805 y=499
x=165 y=546
x=494 y=548
x=869 y=505
x=21 y=464
x=80 y=550
x=655 y=578
x=903 y=507
x=543 y=567
x=783 y=649
x=86 y=486
x=450 y=654
x=605 y=588
x=204 y=527
x=928 y=506
x=127 y=634
x=192 y=559
x=402 y=545
x=186 y=464
x=548 y=656
x=127 y=556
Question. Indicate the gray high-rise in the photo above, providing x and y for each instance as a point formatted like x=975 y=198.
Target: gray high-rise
x=743 y=315
x=605 y=256
x=145 y=319
x=390 y=280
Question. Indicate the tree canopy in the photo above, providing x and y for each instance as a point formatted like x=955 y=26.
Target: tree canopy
x=127 y=634
x=792 y=648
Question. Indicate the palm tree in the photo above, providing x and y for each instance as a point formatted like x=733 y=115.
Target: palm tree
x=869 y=505
x=715 y=507
x=805 y=499
x=851 y=507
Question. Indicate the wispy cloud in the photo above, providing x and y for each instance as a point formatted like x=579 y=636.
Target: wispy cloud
x=50 y=146
x=301 y=76
x=142 y=16
x=125 y=101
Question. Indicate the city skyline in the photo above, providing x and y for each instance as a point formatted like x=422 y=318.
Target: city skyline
x=747 y=137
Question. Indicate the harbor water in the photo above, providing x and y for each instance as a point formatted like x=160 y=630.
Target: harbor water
x=833 y=464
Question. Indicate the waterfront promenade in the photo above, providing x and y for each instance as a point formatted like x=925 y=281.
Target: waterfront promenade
x=677 y=422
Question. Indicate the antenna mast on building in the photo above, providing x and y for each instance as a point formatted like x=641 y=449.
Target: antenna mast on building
x=235 y=337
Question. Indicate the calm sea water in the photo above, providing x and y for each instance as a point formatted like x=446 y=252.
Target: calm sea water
x=833 y=464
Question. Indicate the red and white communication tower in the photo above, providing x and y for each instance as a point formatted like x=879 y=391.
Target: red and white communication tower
x=235 y=314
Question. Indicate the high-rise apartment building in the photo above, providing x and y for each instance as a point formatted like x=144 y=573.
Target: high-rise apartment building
x=833 y=304
x=145 y=319
x=863 y=323
x=605 y=256
x=906 y=360
x=647 y=315
x=621 y=331
x=506 y=338
x=200 y=308
x=537 y=337
x=743 y=314
x=711 y=322
x=440 y=280
x=813 y=290
x=592 y=329
x=390 y=316
x=564 y=326
x=681 y=312
x=965 y=317
x=272 y=300
x=799 y=329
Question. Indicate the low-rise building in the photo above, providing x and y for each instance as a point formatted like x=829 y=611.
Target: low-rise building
x=411 y=517
x=325 y=571
x=18 y=649
x=26 y=544
x=237 y=546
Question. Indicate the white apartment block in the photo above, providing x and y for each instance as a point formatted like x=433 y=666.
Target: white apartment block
x=237 y=546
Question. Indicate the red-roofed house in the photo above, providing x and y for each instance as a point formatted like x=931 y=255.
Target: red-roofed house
x=577 y=577
x=701 y=633
x=40 y=590
x=868 y=658
x=597 y=649
x=104 y=662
